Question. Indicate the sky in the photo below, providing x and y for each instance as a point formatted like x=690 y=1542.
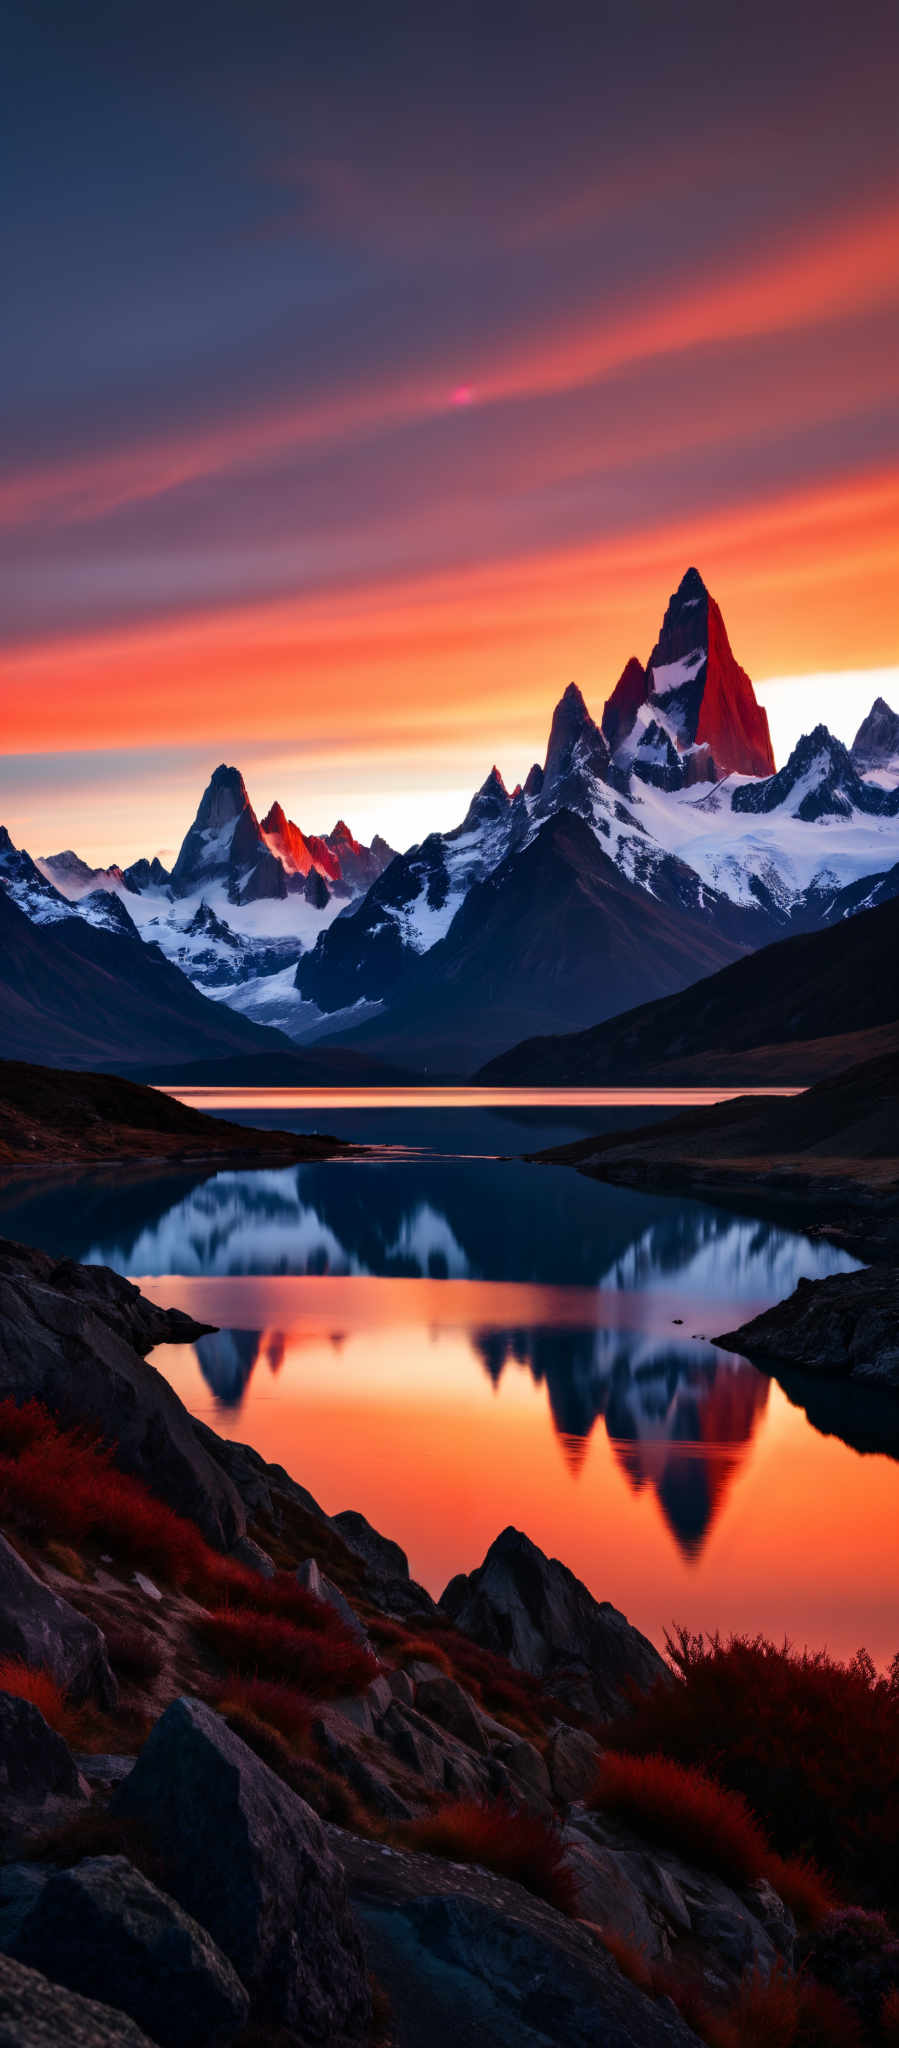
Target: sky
x=367 y=378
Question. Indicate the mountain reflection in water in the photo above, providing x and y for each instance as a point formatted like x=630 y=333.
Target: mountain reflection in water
x=679 y=1417
x=453 y=1343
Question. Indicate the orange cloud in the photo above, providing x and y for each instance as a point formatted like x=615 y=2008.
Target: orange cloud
x=806 y=578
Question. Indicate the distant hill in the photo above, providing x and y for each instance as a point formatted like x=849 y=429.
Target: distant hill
x=837 y=1141
x=49 y=1116
x=75 y=995
x=806 y=1006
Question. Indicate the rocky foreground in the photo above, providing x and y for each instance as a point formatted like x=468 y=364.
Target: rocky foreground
x=51 y=1117
x=256 y=1785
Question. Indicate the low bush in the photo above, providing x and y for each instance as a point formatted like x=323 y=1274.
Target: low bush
x=58 y=1483
x=809 y=1895
x=683 y=1810
x=889 y=2020
x=811 y=1743
x=280 y=1706
x=28 y=1682
x=134 y=1653
x=513 y=1844
x=324 y=1661
x=857 y=1955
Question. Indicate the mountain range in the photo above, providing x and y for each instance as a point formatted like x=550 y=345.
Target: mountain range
x=648 y=851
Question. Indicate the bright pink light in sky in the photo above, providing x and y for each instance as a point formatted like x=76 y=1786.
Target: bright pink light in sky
x=463 y=394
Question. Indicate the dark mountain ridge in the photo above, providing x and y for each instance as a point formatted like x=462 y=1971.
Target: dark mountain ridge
x=788 y=1010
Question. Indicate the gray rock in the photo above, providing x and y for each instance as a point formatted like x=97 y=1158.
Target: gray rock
x=526 y=1766
x=249 y=1858
x=361 y=1771
x=387 y=1565
x=847 y=1325
x=102 y=1768
x=462 y=1972
x=316 y=1582
x=607 y=1896
x=36 y=2014
x=21 y=1885
x=42 y=1629
x=35 y=1763
x=776 y=1918
x=441 y=1699
x=103 y=1930
x=532 y=1609
x=444 y=1764
x=401 y=1686
x=74 y=1337
x=572 y=1756
x=254 y=1557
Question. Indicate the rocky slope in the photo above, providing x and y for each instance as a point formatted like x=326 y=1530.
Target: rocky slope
x=848 y=1326
x=185 y=1845
x=51 y=1117
x=788 y=1013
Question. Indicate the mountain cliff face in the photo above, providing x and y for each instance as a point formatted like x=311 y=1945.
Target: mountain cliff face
x=876 y=744
x=697 y=697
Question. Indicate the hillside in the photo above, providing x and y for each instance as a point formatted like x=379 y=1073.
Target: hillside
x=802 y=1008
x=77 y=996
x=48 y=1117
x=836 y=1143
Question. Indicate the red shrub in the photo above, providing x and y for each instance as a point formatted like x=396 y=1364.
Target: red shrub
x=324 y=1662
x=631 y=1960
x=825 y=2021
x=62 y=1484
x=133 y=1652
x=24 y=1425
x=683 y=1810
x=889 y=2020
x=514 y=1845
x=811 y=1743
x=36 y=1685
x=802 y=1887
x=281 y=1706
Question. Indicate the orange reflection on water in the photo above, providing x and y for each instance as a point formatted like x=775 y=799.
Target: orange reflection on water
x=405 y=1418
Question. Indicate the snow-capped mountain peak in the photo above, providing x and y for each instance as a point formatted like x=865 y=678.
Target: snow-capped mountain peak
x=706 y=699
x=819 y=780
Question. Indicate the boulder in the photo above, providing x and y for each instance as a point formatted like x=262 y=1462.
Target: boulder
x=387 y=1566
x=572 y=1756
x=103 y=1930
x=525 y=1764
x=35 y=1762
x=609 y=1898
x=37 y=2014
x=247 y=1552
x=532 y=1609
x=323 y=1588
x=42 y=1629
x=249 y=1859
x=463 y=1970
x=74 y=1337
x=441 y=1699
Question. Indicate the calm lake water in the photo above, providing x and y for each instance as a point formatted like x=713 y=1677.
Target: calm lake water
x=451 y=1339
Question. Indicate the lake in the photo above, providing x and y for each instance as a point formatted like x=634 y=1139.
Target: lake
x=451 y=1339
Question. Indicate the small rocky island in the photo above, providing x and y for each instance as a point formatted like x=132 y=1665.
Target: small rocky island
x=257 y=1785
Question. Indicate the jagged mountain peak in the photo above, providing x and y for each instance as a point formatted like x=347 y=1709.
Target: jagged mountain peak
x=573 y=732
x=700 y=695
x=876 y=744
x=820 y=779
x=620 y=709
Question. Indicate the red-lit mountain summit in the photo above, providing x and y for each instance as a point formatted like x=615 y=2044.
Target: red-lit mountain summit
x=692 y=694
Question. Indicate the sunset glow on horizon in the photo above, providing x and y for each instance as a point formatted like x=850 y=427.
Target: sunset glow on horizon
x=360 y=404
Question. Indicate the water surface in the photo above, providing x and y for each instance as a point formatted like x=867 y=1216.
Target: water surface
x=451 y=1339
